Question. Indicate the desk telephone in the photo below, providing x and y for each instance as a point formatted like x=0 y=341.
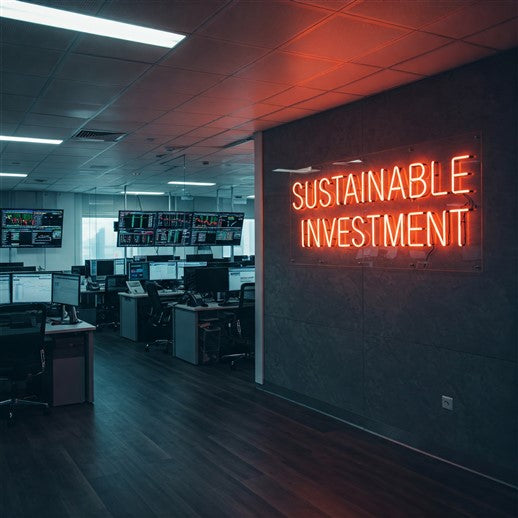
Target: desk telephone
x=194 y=300
x=92 y=285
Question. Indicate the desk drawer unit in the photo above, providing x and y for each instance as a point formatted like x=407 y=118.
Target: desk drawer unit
x=68 y=370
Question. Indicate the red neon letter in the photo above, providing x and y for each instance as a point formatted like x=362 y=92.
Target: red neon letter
x=411 y=228
x=440 y=230
x=337 y=179
x=323 y=191
x=457 y=175
x=373 y=218
x=342 y=233
x=302 y=234
x=312 y=232
x=356 y=243
x=297 y=207
x=398 y=233
x=378 y=187
x=433 y=174
x=396 y=175
x=461 y=225
x=329 y=232
x=416 y=179
x=350 y=189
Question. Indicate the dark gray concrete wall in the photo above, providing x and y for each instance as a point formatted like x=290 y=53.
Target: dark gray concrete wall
x=378 y=347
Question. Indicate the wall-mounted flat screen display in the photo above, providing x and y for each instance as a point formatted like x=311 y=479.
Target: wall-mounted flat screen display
x=173 y=228
x=217 y=228
x=31 y=228
x=136 y=228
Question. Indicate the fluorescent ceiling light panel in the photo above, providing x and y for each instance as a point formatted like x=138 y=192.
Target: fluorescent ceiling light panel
x=32 y=13
x=251 y=197
x=142 y=193
x=16 y=175
x=8 y=138
x=199 y=184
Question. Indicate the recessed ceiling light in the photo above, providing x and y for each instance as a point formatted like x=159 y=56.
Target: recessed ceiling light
x=17 y=175
x=9 y=138
x=199 y=184
x=32 y=13
x=142 y=193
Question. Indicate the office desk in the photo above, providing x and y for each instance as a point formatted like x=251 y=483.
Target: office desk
x=62 y=361
x=186 y=328
x=134 y=311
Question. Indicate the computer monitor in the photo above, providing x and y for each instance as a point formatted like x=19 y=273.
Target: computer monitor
x=119 y=267
x=182 y=264
x=238 y=276
x=211 y=279
x=162 y=271
x=115 y=283
x=5 y=288
x=66 y=289
x=31 y=287
x=193 y=258
x=138 y=271
x=80 y=270
x=99 y=267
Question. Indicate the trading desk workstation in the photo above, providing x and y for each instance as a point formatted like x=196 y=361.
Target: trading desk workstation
x=68 y=342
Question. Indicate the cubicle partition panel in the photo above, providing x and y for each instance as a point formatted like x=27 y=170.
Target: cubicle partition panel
x=378 y=303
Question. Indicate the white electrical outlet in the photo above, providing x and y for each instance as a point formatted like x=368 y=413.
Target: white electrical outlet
x=447 y=402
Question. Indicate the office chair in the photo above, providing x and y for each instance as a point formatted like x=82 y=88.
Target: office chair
x=108 y=313
x=244 y=325
x=22 y=356
x=160 y=317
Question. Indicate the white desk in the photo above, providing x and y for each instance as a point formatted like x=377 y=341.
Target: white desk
x=60 y=367
x=134 y=308
x=186 y=328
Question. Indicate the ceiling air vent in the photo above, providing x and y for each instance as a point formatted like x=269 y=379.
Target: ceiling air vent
x=99 y=136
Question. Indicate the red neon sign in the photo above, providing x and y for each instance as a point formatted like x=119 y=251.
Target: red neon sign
x=393 y=201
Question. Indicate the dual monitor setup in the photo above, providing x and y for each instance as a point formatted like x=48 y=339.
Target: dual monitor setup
x=47 y=288
x=173 y=228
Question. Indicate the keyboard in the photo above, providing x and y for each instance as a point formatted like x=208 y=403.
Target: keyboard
x=166 y=292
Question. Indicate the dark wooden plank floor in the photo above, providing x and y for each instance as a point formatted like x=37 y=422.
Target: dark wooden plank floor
x=168 y=439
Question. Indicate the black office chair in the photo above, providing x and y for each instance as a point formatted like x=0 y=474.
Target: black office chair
x=160 y=318
x=22 y=355
x=108 y=313
x=243 y=326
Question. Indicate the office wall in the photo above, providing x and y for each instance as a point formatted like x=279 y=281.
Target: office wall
x=76 y=206
x=378 y=347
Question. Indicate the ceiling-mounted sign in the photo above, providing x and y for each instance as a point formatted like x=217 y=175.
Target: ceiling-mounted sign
x=412 y=207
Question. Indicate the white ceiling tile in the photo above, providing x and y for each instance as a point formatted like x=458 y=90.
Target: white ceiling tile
x=19 y=84
x=444 y=58
x=264 y=24
x=100 y=71
x=27 y=60
x=502 y=36
x=71 y=91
